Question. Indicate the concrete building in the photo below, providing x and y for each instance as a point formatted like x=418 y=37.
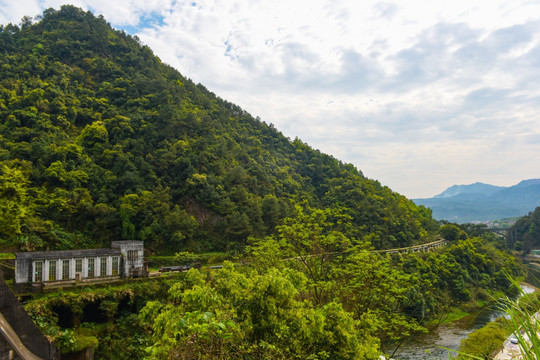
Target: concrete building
x=132 y=257
x=63 y=267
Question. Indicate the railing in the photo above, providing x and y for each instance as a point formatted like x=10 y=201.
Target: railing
x=414 y=248
x=7 y=332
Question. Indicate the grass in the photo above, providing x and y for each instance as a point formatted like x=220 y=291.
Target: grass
x=454 y=315
x=467 y=309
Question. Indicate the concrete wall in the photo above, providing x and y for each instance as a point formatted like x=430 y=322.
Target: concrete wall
x=24 y=327
x=23 y=269
x=132 y=266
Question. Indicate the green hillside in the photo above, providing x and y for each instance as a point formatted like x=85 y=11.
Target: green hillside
x=99 y=141
x=524 y=235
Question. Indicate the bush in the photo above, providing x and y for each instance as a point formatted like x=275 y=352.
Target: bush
x=484 y=341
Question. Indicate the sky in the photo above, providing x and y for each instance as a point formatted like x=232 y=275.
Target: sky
x=418 y=94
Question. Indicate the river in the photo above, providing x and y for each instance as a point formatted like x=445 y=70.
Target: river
x=432 y=345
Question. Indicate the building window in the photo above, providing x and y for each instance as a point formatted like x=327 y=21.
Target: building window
x=78 y=265
x=65 y=269
x=38 y=271
x=91 y=268
x=103 y=266
x=132 y=256
x=52 y=270
x=115 y=265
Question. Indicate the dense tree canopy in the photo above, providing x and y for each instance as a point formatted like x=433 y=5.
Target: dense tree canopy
x=292 y=299
x=525 y=233
x=99 y=140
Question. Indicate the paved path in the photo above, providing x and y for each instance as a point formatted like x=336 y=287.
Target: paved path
x=509 y=351
x=9 y=334
x=414 y=248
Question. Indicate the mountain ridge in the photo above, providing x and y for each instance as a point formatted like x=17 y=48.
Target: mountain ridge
x=100 y=141
x=484 y=202
x=477 y=187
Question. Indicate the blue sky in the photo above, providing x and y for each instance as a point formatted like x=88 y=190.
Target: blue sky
x=419 y=95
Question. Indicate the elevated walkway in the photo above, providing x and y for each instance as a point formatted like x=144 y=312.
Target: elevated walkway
x=415 y=248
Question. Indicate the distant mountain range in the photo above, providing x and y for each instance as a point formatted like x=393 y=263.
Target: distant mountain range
x=484 y=202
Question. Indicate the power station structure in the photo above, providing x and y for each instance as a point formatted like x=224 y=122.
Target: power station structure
x=41 y=269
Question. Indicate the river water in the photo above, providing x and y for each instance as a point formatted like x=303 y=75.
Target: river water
x=448 y=336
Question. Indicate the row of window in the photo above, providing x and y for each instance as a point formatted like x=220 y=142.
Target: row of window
x=64 y=275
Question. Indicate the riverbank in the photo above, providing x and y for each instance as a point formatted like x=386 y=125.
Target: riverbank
x=497 y=338
x=467 y=310
x=445 y=336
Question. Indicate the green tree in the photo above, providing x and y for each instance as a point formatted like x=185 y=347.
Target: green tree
x=377 y=293
x=251 y=316
x=315 y=243
x=15 y=206
x=452 y=232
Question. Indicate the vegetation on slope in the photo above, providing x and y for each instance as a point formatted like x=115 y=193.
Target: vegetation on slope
x=524 y=235
x=100 y=141
x=329 y=299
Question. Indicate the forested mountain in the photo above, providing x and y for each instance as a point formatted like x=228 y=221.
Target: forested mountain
x=484 y=202
x=525 y=233
x=99 y=141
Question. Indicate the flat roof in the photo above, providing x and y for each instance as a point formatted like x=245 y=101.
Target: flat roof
x=127 y=242
x=67 y=254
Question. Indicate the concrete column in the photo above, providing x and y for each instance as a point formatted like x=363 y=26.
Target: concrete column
x=84 y=267
x=33 y=270
x=72 y=269
x=45 y=270
x=109 y=265
x=58 y=269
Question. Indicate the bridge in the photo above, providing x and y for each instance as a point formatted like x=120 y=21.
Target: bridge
x=415 y=248
x=504 y=232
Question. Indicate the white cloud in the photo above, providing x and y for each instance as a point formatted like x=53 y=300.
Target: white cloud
x=13 y=11
x=419 y=94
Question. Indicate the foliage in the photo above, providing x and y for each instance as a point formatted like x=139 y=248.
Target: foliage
x=452 y=232
x=324 y=298
x=14 y=209
x=71 y=342
x=525 y=233
x=392 y=296
x=486 y=340
x=120 y=338
x=251 y=315
x=99 y=141
x=519 y=323
x=524 y=322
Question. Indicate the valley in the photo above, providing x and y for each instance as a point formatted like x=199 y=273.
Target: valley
x=300 y=255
